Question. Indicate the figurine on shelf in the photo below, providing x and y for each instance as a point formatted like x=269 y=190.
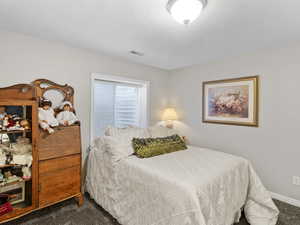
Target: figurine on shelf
x=66 y=117
x=47 y=119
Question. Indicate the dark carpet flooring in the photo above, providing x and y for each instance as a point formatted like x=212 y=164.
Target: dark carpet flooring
x=68 y=213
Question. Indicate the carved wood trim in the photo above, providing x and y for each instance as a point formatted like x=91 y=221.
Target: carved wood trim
x=18 y=91
x=67 y=90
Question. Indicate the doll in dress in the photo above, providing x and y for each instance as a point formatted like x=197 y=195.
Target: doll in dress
x=47 y=119
x=66 y=117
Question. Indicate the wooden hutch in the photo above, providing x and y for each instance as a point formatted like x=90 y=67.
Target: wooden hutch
x=56 y=158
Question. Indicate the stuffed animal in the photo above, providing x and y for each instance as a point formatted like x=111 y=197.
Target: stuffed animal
x=11 y=122
x=67 y=116
x=26 y=173
x=25 y=124
x=21 y=151
x=47 y=119
x=21 y=147
x=16 y=126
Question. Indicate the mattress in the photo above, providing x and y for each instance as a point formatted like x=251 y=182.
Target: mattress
x=193 y=187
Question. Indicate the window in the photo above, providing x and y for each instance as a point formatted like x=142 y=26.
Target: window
x=118 y=102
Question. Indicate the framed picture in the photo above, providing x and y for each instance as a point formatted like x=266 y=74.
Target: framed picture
x=232 y=101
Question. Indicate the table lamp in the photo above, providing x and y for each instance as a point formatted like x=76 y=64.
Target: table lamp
x=169 y=115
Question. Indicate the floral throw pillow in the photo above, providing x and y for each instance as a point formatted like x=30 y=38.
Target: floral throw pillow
x=149 y=147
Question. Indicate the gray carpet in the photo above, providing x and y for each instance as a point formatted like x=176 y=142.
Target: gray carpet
x=67 y=213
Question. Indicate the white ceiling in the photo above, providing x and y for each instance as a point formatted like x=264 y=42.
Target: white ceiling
x=226 y=28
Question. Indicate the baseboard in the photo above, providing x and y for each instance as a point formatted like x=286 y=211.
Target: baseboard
x=285 y=199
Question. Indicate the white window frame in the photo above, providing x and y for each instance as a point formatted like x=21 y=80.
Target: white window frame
x=145 y=88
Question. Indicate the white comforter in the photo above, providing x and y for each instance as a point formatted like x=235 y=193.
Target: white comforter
x=193 y=187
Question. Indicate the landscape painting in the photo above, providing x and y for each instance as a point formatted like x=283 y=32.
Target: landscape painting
x=232 y=101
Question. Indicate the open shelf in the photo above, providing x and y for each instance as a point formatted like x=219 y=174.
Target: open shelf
x=14 y=131
x=21 y=191
x=7 y=165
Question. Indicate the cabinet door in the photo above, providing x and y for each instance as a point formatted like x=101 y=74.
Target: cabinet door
x=23 y=192
x=59 y=179
x=64 y=141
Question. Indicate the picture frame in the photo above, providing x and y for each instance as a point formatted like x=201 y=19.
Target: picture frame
x=231 y=101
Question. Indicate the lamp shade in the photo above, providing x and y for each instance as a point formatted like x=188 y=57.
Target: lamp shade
x=169 y=114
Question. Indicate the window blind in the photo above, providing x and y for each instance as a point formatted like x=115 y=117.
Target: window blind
x=116 y=104
x=126 y=106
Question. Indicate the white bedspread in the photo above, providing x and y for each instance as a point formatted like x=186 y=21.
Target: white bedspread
x=193 y=187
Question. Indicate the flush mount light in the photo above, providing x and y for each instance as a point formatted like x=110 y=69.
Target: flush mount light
x=185 y=11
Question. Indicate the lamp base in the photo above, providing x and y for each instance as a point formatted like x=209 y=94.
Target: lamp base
x=169 y=124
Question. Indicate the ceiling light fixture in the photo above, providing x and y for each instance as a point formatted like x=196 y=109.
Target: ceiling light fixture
x=185 y=11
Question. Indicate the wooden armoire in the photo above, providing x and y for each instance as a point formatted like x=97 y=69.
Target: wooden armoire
x=56 y=164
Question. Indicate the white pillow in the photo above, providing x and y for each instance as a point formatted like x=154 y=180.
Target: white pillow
x=127 y=133
x=116 y=148
x=113 y=147
x=160 y=131
x=114 y=131
x=123 y=137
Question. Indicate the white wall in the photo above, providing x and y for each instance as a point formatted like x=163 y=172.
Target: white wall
x=274 y=147
x=24 y=59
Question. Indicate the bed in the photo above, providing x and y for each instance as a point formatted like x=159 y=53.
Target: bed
x=197 y=186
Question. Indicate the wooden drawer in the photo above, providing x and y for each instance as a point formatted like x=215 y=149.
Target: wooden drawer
x=53 y=165
x=64 y=141
x=59 y=179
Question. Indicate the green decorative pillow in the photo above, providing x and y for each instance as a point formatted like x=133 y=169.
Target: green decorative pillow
x=149 y=147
